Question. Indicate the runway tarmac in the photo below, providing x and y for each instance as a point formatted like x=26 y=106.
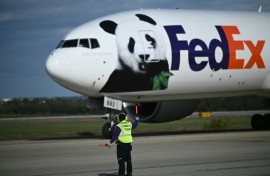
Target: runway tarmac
x=208 y=154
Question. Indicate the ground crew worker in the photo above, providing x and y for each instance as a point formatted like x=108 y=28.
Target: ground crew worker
x=122 y=134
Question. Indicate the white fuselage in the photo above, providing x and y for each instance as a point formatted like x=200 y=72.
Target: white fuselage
x=209 y=54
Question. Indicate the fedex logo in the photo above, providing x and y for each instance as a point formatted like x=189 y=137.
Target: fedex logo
x=226 y=43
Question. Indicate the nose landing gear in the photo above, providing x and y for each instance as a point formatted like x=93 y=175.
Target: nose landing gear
x=108 y=127
x=260 y=122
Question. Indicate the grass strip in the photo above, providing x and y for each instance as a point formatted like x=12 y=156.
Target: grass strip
x=88 y=128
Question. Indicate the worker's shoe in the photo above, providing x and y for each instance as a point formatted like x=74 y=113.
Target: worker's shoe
x=129 y=174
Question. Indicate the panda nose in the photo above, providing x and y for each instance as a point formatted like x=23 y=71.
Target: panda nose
x=144 y=57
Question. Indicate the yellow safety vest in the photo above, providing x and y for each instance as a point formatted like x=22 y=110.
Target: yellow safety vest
x=125 y=134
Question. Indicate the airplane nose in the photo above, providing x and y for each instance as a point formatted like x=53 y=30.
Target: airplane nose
x=58 y=66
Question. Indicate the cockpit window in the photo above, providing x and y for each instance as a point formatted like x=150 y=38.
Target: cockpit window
x=94 y=43
x=70 y=43
x=84 y=43
x=60 y=44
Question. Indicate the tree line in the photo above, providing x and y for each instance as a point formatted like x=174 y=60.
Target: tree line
x=234 y=104
x=44 y=106
x=78 y=106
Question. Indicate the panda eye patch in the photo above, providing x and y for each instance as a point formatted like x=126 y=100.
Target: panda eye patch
x=151 y=40
x=131 y=45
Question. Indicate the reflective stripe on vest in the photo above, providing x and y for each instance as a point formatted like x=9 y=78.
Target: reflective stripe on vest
x=125 y=134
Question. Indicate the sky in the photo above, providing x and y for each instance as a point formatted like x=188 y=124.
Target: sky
x=31 y=29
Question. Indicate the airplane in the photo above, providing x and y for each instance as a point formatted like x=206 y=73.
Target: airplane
x=162 y=62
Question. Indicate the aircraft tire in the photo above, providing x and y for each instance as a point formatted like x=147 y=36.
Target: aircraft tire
x=267 y=121
x=257 y=122
x=106 y=131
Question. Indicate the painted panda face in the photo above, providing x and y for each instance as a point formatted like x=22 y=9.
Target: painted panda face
x=145 y=53
x=138 y=48
x=139 y=44
x=148 y=44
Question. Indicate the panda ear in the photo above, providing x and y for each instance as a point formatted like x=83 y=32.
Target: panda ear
x=146 y=19
x=108 y=26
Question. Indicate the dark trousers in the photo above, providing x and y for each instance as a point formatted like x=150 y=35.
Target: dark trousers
x=124 y=156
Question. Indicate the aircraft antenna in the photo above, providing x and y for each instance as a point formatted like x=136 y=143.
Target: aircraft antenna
x=260 y=9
